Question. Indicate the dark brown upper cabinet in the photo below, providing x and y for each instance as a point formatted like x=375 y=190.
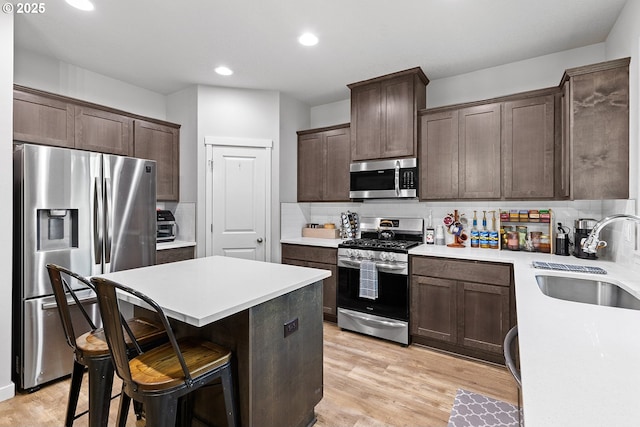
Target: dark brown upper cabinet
x=41 y=119
x=383 y=115
x=596 y=130
x=323 y=164
x=161 y=143
x=103 y=131
x=528 y=130
x=49 y=119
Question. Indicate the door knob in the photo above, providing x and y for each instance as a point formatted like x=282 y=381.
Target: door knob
x=259 y=240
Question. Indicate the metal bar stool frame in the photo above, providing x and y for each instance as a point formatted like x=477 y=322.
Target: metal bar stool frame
x=185 y=364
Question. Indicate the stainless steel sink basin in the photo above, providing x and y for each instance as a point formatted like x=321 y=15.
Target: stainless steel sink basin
x=588 y=291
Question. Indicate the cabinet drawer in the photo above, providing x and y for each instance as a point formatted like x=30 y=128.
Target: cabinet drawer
x=464 y=270
x=310 y=253
x=175 y=254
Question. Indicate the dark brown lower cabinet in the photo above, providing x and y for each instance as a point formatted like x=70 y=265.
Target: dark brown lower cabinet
x=466 y=307
x=164 y=256
x=324 y=259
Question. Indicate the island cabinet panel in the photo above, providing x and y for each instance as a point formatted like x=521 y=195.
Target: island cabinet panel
x=42 y=120
x=324 y=156
x=322 y=258
x=103 y=131
x=598 y=129
x=479 y=151
x=462 y=306
x=292 y=365
x=528 y=144
x=383 y=115
x=439 y=155
x=160 y=143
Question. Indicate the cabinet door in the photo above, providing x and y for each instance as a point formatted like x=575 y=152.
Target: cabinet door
x=562 y=154
x=434 y=308
x=329 y=288
x=439 y=155
x=338 y=158
x=311 y=167
x=160 y=143
x=165 y=256
x=41 y=120
x=484 y=316
x=528 y=148
x=366 y=122
x=398 y=118
x=103 y=131
x=479 y=145
x=600 y=134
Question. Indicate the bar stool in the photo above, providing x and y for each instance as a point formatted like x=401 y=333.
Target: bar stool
x=91 y=350
x=165 y=374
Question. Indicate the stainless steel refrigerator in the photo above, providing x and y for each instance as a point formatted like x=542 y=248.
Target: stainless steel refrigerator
x=92 y=213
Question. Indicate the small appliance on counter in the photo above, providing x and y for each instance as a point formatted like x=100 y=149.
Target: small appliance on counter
x=562 y=240
x=166 y=226
x=583 y=228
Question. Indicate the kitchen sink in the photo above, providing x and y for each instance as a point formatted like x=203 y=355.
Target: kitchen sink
x=588 y=291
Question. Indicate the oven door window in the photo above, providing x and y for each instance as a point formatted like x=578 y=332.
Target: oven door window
x=383 y=179
x=393 y=294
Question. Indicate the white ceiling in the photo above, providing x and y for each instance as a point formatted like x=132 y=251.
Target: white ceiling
x=166 y=46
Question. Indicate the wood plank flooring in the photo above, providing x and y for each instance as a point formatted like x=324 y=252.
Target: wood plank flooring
x=367 y=383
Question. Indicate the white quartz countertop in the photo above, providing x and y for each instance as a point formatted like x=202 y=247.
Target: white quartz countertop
x=203 y=290
x=173 y=245
x=312 y=241
x=580 y=363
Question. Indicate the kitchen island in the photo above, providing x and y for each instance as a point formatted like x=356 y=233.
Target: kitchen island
x=269 y=315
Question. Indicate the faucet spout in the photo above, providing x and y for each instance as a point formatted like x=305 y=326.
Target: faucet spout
x=593 y=242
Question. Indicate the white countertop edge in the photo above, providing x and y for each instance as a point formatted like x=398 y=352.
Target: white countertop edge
x=173 y=245
x=312 y=241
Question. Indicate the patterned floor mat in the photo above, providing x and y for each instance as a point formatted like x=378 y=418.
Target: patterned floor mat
x=475 y=410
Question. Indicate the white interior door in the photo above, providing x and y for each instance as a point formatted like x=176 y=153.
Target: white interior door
x=239 y=201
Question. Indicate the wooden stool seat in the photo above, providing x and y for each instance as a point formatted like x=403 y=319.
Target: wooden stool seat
x=160 y=369
x=94 y=343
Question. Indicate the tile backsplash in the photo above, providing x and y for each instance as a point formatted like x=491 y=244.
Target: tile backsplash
x=295 y=215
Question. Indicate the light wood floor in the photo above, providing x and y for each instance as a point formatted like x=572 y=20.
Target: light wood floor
x=367 y=383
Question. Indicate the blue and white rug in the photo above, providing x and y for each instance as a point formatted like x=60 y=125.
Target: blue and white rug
x=475 y=410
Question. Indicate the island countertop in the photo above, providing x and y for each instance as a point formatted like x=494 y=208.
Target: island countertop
x=203 y=290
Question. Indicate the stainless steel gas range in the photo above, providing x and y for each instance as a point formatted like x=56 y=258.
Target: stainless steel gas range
x=373 y=277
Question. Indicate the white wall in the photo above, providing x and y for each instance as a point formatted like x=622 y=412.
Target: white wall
x=623 y=41
x=182 y=107
x=7 y=388
x=334 y=113
x=52 y=75
x=294 y=116
x=241 y=113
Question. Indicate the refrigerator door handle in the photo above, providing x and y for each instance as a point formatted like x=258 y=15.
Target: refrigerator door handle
x=97 y=220
x=107 y=220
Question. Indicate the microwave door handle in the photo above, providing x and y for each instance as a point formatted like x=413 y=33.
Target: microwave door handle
x=397 y=178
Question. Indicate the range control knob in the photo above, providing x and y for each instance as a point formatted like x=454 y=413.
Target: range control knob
x=388 y=256
x=350 y=253
x=367 y=254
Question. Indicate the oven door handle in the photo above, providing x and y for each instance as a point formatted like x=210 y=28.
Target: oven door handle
x=379 y=265
x=368 y=319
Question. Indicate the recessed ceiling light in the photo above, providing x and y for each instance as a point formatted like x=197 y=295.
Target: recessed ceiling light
x=81 y=4
x=308 y=39
x=224 y=71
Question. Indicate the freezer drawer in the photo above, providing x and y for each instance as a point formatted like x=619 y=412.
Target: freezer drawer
x=45 y=354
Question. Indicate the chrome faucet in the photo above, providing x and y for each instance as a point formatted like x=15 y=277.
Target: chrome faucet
x=592 y=243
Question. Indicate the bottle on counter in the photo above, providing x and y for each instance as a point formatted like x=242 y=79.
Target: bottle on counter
x=429 y=234
x=494 y=242
x=475 y=233
x=484 y=233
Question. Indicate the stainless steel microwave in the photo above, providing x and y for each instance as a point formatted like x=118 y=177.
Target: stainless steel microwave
x=384 y=179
